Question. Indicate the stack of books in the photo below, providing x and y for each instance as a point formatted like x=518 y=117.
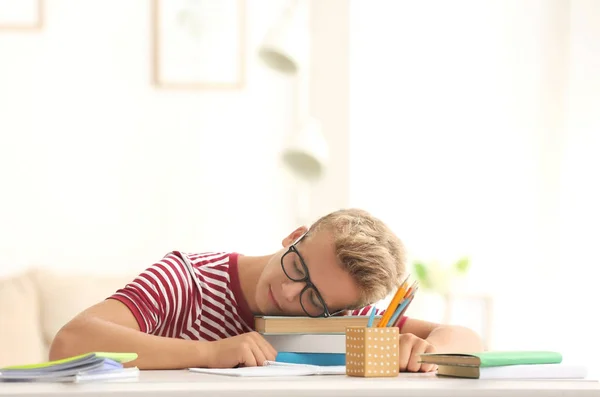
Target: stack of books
x=322 y=341
x=308 y=340
x=504 y=365
x=82 y=368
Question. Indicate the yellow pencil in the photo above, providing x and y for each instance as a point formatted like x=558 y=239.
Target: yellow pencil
x=389 y=312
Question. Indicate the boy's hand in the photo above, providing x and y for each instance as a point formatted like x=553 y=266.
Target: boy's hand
x=247 y=350
x=410 y=346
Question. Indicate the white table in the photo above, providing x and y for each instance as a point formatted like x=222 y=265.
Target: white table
x=189 y=384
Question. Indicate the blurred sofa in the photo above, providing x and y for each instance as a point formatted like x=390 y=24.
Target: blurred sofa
x=36 y=303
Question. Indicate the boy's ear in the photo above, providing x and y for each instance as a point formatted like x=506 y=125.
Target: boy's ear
x=293 y=236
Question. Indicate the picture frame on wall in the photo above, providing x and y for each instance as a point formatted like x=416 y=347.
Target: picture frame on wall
x=198 y=44
x=21 y=15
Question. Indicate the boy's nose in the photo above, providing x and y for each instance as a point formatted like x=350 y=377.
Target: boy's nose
x=291 y=290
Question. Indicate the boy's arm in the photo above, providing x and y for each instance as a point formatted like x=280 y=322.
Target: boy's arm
x=444 y=338
x=110 y=326
x=156 y=302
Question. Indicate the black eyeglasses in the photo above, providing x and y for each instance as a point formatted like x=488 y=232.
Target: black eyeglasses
x=295 y=269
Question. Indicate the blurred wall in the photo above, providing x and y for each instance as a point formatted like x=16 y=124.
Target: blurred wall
x=330 y=99
x=102 y=171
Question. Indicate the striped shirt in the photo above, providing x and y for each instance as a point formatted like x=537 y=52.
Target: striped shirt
x=166 y=301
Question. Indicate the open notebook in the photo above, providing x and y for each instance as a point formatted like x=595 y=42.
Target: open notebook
x=274 y=368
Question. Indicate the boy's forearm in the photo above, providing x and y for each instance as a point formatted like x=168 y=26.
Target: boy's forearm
x=451 y=338
x=154 y=352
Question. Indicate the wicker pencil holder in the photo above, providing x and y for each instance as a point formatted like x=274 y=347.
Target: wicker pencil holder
x=372 y=351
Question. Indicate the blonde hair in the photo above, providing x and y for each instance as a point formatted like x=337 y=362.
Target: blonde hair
x=366 y=247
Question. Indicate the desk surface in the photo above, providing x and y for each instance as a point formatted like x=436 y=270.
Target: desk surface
x=189 y=384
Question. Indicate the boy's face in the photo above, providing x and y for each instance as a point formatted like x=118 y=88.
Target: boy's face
x=334 y=289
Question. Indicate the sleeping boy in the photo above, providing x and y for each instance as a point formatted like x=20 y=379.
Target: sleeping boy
x=197 y=309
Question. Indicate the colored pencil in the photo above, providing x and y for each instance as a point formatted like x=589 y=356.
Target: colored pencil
x=371 y=317
x=389 y=312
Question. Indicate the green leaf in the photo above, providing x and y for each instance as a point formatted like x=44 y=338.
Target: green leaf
x=462 y=266
x=422 y=274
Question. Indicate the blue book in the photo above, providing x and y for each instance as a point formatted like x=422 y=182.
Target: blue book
x=325 y=359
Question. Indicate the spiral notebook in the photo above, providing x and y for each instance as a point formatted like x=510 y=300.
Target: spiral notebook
x=82 y=368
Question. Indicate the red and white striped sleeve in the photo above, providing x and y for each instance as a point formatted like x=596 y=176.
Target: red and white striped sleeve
x=161 y=297
x=366 y=311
